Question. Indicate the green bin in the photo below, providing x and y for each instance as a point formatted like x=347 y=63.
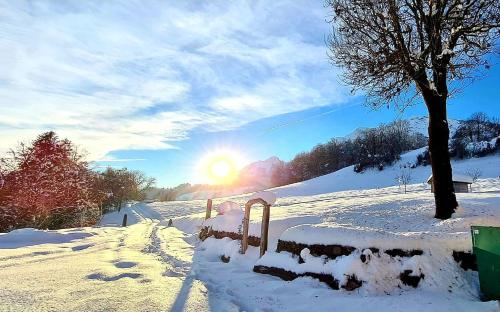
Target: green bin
x=486 y=247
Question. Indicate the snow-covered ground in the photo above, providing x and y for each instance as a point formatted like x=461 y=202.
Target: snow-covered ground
x=148 y=266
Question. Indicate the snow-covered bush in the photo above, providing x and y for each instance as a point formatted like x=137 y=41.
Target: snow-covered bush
x=480 y=149
x=475 y=137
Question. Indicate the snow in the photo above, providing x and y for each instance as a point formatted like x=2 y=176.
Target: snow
x=384 y=218
x=444 y=53
x=148 y=266
x=268 y=197
x=226 y=223
x=144 y=267
x=359 y=237
x=478 y=147
x=457 y=178
x=29 y=237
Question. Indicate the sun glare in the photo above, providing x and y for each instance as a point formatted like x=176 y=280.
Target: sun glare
x=219 y=167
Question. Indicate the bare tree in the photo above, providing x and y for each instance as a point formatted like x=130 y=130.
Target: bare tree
x=474 y=173
x=404 y=177
x=399 y=50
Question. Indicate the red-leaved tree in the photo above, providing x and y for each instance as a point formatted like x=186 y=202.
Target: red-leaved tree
x=48 y=185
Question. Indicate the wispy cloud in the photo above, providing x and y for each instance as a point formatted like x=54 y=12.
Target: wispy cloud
x=114 y=159
x=117 y=75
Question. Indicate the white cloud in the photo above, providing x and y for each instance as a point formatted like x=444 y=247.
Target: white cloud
x=124 y=75
x=114 y=159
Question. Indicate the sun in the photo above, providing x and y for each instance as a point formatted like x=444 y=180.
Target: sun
x=219 y=167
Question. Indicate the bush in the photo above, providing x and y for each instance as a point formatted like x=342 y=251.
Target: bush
x=121 y=185
x=358 y=168
x=424 y=158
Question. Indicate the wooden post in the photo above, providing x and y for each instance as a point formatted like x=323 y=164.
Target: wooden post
x=246 y=223
x=209 y=209
x=124 y=222
x=264 y=230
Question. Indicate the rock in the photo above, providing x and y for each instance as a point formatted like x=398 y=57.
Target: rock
x=410 y=280
x=289 y=276
x=466 y=260
x=404 y=253
x=352 y=283
x=330 y=251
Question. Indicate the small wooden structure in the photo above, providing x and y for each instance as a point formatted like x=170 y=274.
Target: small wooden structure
x=266 y=199
x=264 y=231
x=461 y=183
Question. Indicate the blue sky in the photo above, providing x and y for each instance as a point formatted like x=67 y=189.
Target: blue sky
x=155 y=85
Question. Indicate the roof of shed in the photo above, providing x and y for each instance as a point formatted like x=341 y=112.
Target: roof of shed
x=456 y=178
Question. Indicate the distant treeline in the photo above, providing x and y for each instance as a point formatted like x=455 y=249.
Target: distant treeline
x=47 y=185
x=374 y=147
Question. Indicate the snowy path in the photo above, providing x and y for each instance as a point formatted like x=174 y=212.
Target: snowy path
x=148 y=267
x=145 y=267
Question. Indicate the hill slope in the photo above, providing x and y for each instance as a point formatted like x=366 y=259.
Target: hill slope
x=346 y=179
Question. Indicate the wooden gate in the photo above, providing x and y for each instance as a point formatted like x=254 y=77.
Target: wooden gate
x=264 y=230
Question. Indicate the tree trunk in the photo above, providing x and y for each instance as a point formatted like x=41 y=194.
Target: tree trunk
x=439 y=133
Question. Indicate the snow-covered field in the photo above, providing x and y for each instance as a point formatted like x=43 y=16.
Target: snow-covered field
x=148 y=266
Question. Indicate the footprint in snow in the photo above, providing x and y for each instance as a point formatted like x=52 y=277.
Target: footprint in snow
x=102 y=277
x=172 y=274
x=81 y=247
x=125 y=264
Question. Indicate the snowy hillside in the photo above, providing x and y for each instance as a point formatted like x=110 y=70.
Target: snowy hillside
x=259 y=173
x=347 y=179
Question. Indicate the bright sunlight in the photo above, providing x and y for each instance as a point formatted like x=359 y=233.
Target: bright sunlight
x=220 y=167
